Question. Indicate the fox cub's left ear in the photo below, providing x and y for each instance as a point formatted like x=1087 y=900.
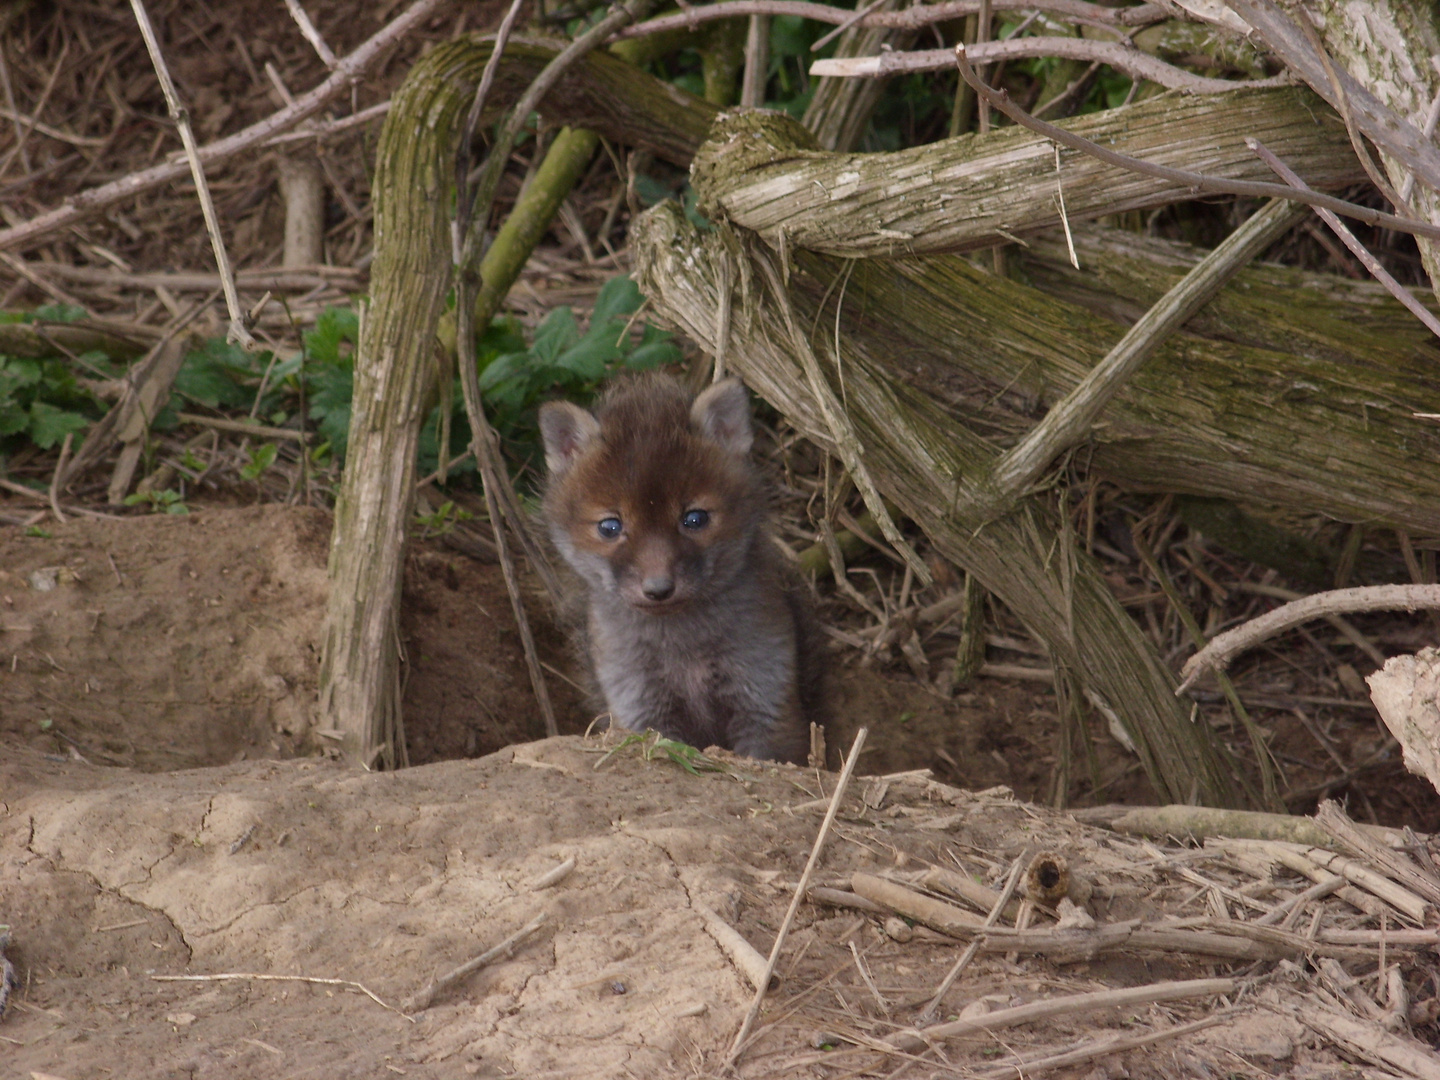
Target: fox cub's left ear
x=566 y=430
x=723 y=413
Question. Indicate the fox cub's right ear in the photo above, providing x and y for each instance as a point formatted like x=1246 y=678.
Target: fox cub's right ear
x=566 y=430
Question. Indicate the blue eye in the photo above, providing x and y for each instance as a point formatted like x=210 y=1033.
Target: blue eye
x=609 y=528
x=695 y=519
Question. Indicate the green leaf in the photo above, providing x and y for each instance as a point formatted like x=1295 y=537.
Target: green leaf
x=334 y=327
x=618 y=296
x=557 y=333
x=62 y=313
x=261 y=458
x=49 y=425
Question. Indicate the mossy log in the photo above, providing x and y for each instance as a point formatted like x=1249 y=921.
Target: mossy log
x=1321 y=316
x=933 y=468
x=765 y=172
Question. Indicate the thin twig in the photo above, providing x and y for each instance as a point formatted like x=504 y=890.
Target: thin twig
x=911 y=18
x=1230 y=644
x=59 y=475
x=232 y=976
x=423 y=999
x=1011 y=884
x=1199 y=181
x=127 y=187
x=239 y=332
x=1359 y=250
x=1122 y=57
x=800 y=888
x=1028 y=1067
x=312 y=35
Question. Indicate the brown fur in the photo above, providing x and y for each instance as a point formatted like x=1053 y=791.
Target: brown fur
x=695 y=631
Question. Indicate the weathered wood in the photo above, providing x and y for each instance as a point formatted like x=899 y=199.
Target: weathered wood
x=394 y=370
x=933 y=468
x=1269 y=306
x=1306 y=431
x=764 y=172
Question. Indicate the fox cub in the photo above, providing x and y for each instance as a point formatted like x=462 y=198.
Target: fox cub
x=694 y=628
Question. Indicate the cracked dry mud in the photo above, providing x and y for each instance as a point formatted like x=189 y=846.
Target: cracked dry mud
x=155 y=819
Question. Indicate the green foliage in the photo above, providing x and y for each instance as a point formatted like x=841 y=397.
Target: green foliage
x=653 y=745
x=443 y=520
x=561 y=360
x=41 y=401
x=160 y=502
x=261 y=458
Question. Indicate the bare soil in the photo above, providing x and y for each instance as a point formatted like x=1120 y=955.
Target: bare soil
x=165 y=809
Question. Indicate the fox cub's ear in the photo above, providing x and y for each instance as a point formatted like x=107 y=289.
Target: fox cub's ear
x=567 y=430
x=722 y=412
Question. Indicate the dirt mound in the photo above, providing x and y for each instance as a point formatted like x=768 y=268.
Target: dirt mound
x=162 y=644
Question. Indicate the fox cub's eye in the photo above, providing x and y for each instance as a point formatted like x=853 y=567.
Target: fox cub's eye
x=609 y=528
x=695 y=519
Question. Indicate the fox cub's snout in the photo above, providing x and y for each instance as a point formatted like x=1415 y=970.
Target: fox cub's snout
x=693 y=628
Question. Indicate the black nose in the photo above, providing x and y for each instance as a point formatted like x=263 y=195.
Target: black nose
x=658 y=588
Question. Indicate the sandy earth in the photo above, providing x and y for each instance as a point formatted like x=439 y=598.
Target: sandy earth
x=162 y=812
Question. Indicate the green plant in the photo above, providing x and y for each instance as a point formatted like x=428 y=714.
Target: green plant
x=652 y=745
x=514 y=378
x=168 y=501
x=443 y=519
x=41 y=400
x=261 y=458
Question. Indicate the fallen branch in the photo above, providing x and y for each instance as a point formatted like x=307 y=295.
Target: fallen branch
x=1390 y=132
x=422 y=999
x=912 y=18
x=1224 y=648
x=1069 y=1005
x=1033 y=1066
x=1070 y=420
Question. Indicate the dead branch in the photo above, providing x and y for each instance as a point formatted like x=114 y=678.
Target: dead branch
x=1070 y=420
x=1121 y=57
x=912 y=18
x=1218 y=654
x=424 y=998
x=1359 y=250
x=1068 y=1005
x=800 y=892
x=1391 y=132
x=766 y=172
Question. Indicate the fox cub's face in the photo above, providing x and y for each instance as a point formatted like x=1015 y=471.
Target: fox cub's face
x=653 y=499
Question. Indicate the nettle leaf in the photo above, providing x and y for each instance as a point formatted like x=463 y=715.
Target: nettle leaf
x=645 y=357
x=13 y=418
x=20 y=372
x=618 y=296
x=334 y=328
x=49 y=425
x=556 y=334
x=588 y=359
x=331 y=388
